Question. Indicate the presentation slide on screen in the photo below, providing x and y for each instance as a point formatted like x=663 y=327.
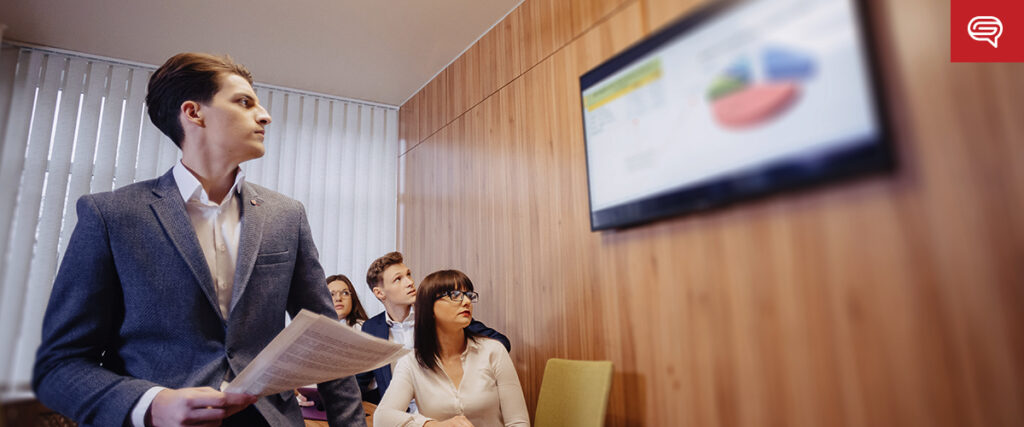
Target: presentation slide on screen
x=765 y=81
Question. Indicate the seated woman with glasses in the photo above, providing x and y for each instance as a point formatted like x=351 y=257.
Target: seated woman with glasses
x=346 y=302
x=458 y=378
x=351 y=313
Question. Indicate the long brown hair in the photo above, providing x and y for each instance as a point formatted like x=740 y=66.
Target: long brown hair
x=425 y=336
x=357 y=313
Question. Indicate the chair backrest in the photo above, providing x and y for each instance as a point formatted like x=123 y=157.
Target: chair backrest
x=574 y=393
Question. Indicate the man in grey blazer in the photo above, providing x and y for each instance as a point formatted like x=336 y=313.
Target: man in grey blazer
x=170 y=287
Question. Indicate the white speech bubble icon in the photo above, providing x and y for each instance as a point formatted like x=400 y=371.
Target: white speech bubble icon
x=985 y=29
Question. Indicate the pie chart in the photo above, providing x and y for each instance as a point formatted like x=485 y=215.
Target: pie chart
x=751 y=93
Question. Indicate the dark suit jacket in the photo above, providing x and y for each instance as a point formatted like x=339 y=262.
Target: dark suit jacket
x=133 y=305
x=378 y=327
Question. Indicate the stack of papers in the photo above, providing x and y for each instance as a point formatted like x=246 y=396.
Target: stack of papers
x=312 y=349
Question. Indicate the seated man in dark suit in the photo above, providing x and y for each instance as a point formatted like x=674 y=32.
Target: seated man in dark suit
x=391 y=282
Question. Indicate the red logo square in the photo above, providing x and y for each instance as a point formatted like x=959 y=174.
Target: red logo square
x=986 y=31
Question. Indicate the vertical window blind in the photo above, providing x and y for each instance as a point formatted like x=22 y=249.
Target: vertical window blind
x=74 y=124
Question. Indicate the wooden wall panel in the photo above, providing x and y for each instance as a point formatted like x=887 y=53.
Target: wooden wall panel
x=657 y=13
x=888 y=301
x=500 y=54
x=547 y=26
x=465 y=82
x=433 y=105
x=586 y=13
x=409 y=124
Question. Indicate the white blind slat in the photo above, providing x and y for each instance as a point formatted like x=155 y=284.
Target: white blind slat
x=131 y=124
x=332 y=182
x=374 y=153
x=402 y=145
x=271 y=161
x=14 y=145
x=316 y=178
x=85 y=145
x=304 y=144
x=44 y=258
x=347 y=238
x=110 y=128
x=292 y=125
x=21 y=245
x=389 y=161
x=360 y=217
x=8 y=66
x=58 y=177
x=379 y=189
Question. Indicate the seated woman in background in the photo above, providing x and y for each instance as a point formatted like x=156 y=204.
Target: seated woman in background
x=346 y=302
x=350 y=311
x=458 y=378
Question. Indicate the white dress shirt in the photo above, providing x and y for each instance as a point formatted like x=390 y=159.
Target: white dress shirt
x=489 y=394
x=218 y=227
x=400 y=332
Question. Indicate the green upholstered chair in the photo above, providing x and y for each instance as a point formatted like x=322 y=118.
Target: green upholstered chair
x=574 y=393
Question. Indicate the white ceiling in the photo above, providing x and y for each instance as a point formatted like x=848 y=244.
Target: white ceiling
x=375 y=50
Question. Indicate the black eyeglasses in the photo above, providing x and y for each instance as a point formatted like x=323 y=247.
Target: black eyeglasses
x=456 y=296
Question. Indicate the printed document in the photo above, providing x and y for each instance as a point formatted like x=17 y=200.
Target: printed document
x=312 y=349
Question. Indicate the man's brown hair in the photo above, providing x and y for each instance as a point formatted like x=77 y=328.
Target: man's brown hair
x=376 y=269
x=186 y=77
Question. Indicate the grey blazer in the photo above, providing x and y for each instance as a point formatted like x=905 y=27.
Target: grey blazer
x=133 y=305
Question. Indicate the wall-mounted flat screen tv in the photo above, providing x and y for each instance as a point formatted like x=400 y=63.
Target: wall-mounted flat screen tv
x=735 y=100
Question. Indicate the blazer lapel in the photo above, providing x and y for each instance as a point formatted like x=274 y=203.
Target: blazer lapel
x=170 y=211
x=253 y=214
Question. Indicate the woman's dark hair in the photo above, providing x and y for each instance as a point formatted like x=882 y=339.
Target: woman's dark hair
x=357 y=313
x=425 y=343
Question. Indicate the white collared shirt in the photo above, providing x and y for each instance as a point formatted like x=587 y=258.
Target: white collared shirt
x=488 y=395
x=218 y=227
x=402 y=332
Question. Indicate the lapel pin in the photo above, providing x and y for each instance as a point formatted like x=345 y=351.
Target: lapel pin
x=256 y=201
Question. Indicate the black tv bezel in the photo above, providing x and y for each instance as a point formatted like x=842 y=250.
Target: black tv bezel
x=875 y=154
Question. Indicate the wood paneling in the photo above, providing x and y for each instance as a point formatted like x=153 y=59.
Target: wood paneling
x=503 y=54
x=464 y=74
x=408 y=124
x=888 y=301
x=433 y=105
x=499 y=57
x=547 y=26
x=586 y=13
x=657 y=13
